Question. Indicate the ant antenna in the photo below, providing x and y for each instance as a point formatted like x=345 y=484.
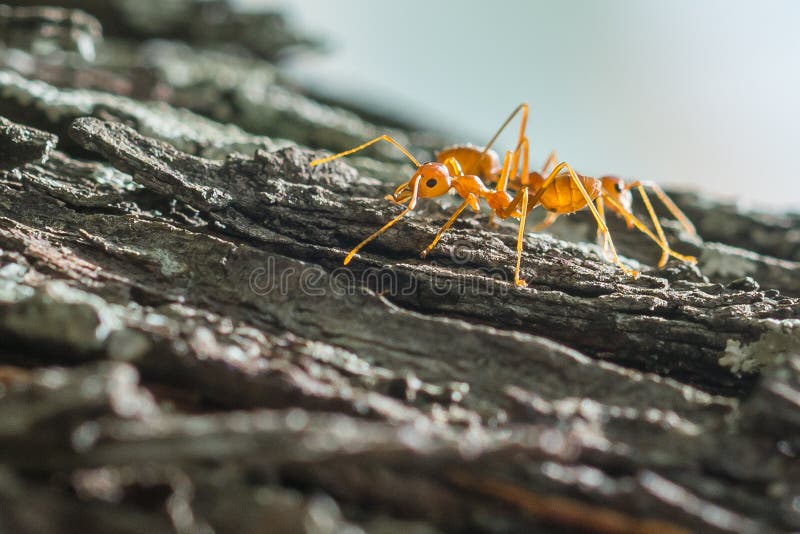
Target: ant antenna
x=506 y=123
x=384 y=137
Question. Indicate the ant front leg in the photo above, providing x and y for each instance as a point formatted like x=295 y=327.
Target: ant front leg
x=411 y=205
x=467 y=201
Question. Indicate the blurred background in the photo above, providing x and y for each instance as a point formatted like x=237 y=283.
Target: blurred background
x=696 y=94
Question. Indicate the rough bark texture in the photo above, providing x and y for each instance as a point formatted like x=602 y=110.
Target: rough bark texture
x=183 y=351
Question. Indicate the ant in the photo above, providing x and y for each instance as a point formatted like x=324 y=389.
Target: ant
x=559 y=193
x=436 y=178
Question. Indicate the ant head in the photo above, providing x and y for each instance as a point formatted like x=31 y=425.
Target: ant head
x=615 y=188
x=434 y=180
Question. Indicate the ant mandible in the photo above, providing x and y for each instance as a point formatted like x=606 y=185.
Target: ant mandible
x=560 y=193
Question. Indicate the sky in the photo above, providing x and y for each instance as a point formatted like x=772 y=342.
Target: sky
x=700 y=94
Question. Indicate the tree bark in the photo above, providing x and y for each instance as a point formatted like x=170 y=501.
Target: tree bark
x=184 y=351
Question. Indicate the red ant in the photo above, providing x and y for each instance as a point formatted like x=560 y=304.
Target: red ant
x=433 y=179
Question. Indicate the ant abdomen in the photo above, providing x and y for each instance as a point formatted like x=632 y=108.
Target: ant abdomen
x=563 y=195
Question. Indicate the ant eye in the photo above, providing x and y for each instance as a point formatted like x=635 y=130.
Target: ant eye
x=618 y=187
x=431 y=183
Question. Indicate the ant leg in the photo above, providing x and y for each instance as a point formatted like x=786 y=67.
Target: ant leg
x=374 y=235
x=549 y=162
x=657 y=225
x=549 y=219
x=384 y=137
x=669 y=204
x=522 y=148
x=510 y=174
x=633 y=221
x=502 y=183
x=601 y=225
x=523 y=124
x=447 y=225
x=602 y=240
x=520 y=237
x=411 y=204
x=520 y=198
